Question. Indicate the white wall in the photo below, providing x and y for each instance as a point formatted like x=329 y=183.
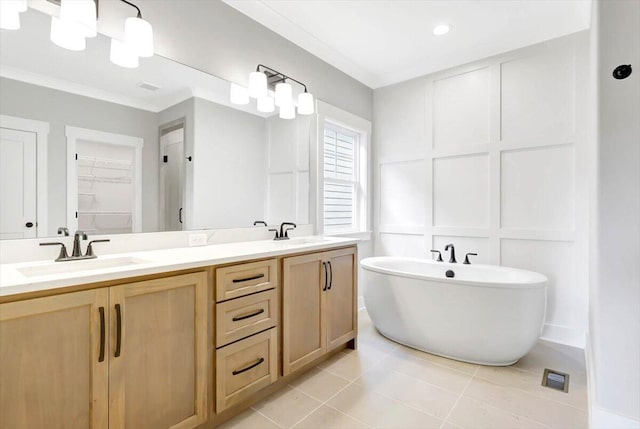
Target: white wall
x=614 y=319
x=490 y=156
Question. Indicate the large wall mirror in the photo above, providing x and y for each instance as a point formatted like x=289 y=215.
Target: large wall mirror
x=89 y=145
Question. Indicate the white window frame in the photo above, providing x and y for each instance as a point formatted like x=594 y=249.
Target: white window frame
x=328 y=114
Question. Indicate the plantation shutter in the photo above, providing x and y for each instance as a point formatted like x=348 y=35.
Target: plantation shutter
x=339 y=178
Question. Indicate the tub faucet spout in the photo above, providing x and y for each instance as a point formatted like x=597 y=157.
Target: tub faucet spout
x=452 y=258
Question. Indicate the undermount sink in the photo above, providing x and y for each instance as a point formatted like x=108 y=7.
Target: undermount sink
x=299 y=241
x=78 y=266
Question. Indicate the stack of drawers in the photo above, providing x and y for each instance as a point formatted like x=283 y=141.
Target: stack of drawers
x=246 y=332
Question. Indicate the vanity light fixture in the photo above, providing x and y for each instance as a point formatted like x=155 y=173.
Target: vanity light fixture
x=137 y=42
x=77 y=21
x=281 y=94
x=10 y=13
x=441 y=29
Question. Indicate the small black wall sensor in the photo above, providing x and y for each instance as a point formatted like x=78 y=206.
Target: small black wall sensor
x=622 y=72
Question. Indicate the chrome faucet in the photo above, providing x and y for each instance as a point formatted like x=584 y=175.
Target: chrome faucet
x=452 y=258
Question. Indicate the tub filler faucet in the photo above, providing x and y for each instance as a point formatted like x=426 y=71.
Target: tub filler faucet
x=452 y=258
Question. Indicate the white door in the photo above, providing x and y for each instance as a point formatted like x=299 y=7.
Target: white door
x=17 y=184
x=172 y=180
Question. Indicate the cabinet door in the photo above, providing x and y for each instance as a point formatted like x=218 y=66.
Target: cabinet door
x=157 y=377
x=51 y=375
x=342 y=297
x=303 y=319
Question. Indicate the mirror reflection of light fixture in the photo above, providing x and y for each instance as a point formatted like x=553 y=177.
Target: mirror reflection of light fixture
x=10 y=13
x=264 y=78
x=122 y=54
x=265 y=104
x=67 y=35
x=82 y=13
x=239 y=94
x=287 y=111
x=257 y=84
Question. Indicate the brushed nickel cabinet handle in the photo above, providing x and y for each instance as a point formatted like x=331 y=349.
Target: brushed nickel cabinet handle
x=248 y=316
x=253 y=365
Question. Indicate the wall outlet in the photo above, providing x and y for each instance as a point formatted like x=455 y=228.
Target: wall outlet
x=197 y=240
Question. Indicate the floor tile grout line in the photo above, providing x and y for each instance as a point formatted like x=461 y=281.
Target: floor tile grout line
x=455 y=404
x=535 y=395
x=332 y=396
x=268 y=418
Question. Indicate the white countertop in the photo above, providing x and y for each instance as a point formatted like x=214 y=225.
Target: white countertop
x=13 y=281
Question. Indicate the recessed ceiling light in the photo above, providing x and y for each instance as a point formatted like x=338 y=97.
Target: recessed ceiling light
x=441 y=29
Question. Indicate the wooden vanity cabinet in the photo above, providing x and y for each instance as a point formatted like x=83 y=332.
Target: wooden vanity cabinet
x=158 y=375
x=319 y=298
x=52 y=374
x=128 y=356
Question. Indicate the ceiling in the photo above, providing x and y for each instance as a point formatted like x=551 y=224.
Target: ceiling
x=382 y=42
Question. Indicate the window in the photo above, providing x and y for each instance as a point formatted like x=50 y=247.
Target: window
x=339 y=179
x=341 y=184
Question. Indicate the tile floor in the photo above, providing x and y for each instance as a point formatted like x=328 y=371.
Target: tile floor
x=386 y=385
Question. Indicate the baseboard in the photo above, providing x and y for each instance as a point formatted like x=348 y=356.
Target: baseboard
x=564 y=335
x=600 y=418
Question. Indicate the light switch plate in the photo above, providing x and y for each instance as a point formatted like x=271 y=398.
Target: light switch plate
x=197 y=240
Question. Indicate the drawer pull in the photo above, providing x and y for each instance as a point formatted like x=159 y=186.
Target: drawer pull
x=247 y=316
x=248 y=279
x=253 y=365
x=118 y=331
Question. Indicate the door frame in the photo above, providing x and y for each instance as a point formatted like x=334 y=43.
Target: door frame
x=41 y=130
x=74 y=134
x=162 y=131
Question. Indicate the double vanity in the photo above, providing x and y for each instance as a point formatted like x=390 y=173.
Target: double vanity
x=174 y=338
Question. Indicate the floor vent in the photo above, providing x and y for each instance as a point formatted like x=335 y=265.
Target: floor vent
x=555 y=380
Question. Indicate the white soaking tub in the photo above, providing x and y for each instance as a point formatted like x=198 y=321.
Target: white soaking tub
x=485 y=314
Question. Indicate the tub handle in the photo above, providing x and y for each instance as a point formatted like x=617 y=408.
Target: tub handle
x=326 y=276
x=466 y=258
x=439 y=255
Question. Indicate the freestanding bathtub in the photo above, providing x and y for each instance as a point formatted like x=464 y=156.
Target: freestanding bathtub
x=485 y=314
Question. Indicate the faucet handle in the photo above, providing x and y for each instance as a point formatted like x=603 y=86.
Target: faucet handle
x=439 y=255
x=286 y=231
x=466 y=258
x=276 y=231
x=63 y=250
x=90 y=247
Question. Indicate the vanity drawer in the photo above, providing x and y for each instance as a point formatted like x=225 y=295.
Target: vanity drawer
x=245 y=367
x=243 y=279
x=241 y=317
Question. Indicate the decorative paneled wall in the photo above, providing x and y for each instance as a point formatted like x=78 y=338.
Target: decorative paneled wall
x=287 y=197
x=492 y=160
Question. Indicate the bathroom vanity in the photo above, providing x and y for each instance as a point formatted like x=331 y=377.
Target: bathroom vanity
x=175 y=338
